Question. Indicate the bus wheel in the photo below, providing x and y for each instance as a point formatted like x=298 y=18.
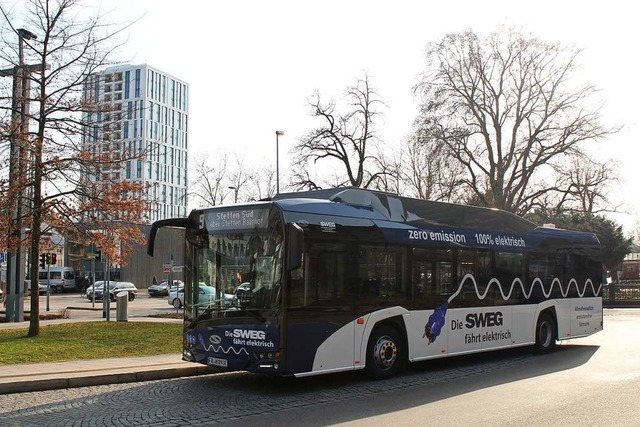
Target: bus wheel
x=384 y=353
x=545 y=334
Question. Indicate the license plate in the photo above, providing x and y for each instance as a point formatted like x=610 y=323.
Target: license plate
x=215 y=361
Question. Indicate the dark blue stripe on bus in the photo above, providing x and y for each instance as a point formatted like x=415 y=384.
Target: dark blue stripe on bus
x=303 y=340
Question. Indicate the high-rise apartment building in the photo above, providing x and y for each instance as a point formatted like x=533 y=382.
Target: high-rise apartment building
x=144 y=114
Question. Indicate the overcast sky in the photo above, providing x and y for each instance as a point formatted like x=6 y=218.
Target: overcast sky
x=253 y=65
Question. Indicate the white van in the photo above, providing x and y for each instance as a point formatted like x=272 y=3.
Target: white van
x=59 y=278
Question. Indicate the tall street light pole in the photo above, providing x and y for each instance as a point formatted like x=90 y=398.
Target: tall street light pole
x=279 y=133
x=17 y=171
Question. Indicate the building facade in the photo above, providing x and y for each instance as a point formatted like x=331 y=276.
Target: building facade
x=141 y=114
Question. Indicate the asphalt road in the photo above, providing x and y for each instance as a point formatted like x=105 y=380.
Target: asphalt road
x=588 y=381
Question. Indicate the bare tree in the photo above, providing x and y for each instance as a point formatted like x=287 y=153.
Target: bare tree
x=345 y=141
x=216 y=181
x=507 y=110
x=59 y=177
x=209 y=183
x=429 y=174
x=262 y=183
x=302 y=178
x=393 y=180
x=581 y=189
x=239 y=177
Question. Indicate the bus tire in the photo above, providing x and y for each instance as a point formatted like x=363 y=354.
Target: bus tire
x=384 y=352
x=545 y=334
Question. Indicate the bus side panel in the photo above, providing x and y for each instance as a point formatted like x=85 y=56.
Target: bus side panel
x=370 y=322
x=346 y=348
x=436 y=333
x=580 y=317
x=497 y=326
x=523 y=323
x=304 y=338
x=463 y=336
x=337 y=351
x=423 y=346
x=471 y=329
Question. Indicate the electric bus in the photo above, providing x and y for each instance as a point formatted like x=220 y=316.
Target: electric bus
x=346 y=279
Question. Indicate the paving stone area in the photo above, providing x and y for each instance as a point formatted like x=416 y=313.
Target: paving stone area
x=218 y=398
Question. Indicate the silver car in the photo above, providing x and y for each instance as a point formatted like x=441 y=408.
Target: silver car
x=114 y=289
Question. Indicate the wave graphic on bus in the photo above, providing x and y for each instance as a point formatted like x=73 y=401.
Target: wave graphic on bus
x=220 y=349
x=537 y=280
x=436 y=320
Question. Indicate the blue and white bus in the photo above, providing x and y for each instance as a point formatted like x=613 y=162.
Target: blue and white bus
x=346 y=279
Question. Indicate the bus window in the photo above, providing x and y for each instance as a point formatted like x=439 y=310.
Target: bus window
x=324 y=281
x=381 y=275
x=475 y=272
x=543 y=270
x=509 y=267
x=432 y=277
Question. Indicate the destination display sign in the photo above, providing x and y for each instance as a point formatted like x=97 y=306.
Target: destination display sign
x=236 y=219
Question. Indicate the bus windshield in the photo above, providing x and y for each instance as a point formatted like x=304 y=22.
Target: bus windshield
x=234 y=271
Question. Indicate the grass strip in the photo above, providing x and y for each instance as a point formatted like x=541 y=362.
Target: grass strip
x=89 y=340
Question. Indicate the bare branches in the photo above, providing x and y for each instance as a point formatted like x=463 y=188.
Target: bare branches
x=209 y=186
x=344 y=140
x=78 y=192
x=506 y=110
x=215 y=181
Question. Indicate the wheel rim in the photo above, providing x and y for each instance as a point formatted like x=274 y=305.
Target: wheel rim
x=176 y=303
x=545 y=334
x=385 y=353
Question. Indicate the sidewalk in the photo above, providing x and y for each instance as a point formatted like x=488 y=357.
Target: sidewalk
x=81 y=373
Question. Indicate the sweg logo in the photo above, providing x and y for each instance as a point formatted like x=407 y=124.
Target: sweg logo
x=243 y=333
x=477 y=320
x=327 y=224
x=215 y=339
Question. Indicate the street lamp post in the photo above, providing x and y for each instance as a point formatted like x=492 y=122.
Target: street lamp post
x=17 y=170
x=279 y=133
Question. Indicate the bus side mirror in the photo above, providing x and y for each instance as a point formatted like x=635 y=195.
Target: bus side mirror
x=295 y=238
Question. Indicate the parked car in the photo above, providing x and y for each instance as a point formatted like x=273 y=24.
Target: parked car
x=89 y=290
x=207 y=294
x=162 y=289
x=114 y=289
x=176 y=297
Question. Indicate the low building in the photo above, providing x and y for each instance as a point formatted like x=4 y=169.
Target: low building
x=140 y=268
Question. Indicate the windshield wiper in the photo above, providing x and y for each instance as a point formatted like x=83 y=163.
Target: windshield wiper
x=229 y=307
x=210 y=309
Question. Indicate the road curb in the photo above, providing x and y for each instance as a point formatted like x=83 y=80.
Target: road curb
x=90 y=308
x=104 y=379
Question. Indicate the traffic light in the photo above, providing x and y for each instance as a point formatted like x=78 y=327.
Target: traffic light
x=43 y=261
x=53 y=259
x=47 y=258
x=97 y=255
